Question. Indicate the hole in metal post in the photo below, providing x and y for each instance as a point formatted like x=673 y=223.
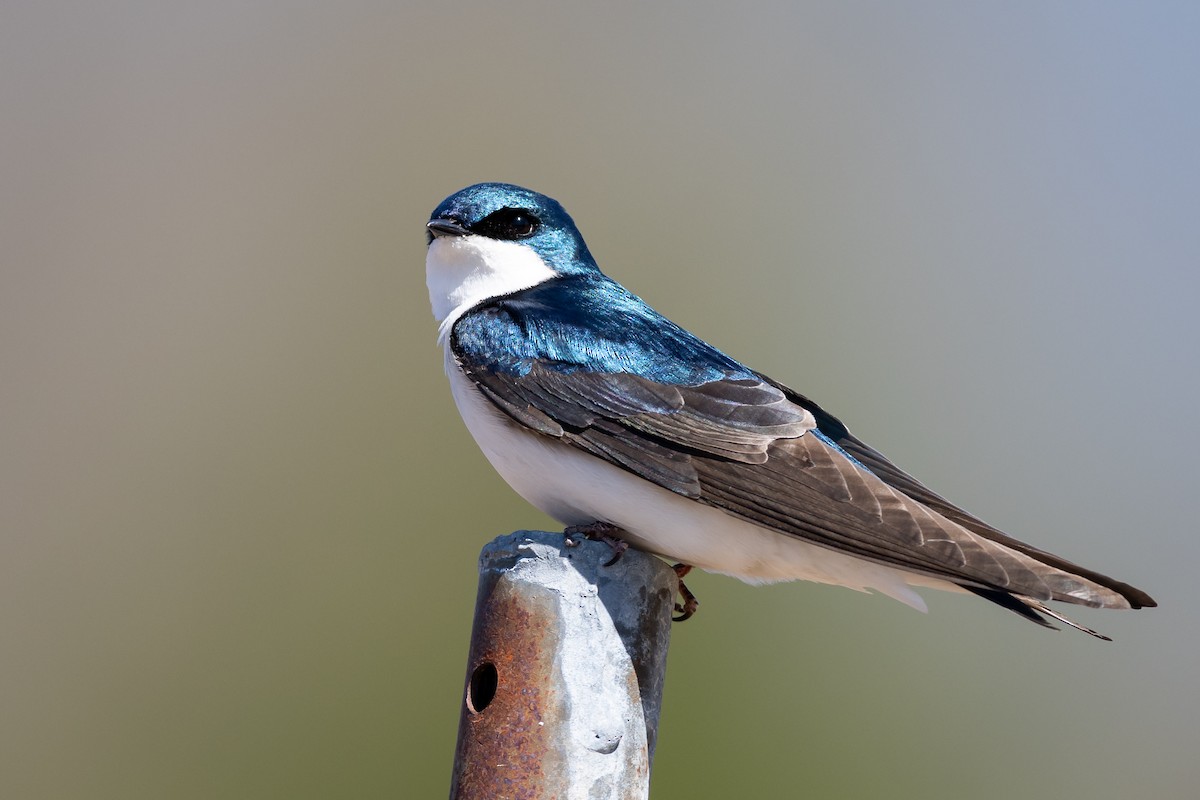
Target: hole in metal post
x=482 y=687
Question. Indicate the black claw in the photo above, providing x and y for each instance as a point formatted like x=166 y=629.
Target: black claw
x=690 y=604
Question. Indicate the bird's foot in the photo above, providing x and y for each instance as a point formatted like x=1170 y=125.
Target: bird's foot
x=599 y=532
x=689 y=605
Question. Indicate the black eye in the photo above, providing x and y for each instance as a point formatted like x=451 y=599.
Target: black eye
x=508 y=223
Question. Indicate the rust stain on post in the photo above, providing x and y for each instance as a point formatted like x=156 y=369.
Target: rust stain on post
x=504 y=746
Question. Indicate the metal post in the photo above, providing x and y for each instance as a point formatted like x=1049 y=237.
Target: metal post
x=565 y=674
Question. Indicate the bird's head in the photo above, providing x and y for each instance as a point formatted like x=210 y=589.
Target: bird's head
x=493 y=239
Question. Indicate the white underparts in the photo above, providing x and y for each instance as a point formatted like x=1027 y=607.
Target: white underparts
x=462 y=271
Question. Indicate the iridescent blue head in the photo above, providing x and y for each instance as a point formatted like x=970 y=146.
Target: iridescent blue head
x=494 y=239
x=508 y=213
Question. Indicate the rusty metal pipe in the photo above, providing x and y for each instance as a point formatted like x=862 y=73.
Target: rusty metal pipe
x=565 y=674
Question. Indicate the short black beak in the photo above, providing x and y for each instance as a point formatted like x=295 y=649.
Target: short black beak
x=445 y=226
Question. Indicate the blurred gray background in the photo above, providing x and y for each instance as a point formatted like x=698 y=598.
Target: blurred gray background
x=240 y=514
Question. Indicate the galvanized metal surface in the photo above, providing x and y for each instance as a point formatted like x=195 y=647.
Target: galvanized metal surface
x=565 y=673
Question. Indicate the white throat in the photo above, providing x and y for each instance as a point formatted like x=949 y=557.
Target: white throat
x=462 y=271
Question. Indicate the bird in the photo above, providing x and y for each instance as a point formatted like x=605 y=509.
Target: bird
x=613 y=420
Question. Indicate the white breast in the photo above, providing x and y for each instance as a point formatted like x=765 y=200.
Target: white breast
x=462 y=271
x=577 y=488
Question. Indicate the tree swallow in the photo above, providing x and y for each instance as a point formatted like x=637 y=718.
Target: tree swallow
x=598 y=410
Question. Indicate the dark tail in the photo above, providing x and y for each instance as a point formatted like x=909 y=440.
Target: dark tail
x=1031 y=610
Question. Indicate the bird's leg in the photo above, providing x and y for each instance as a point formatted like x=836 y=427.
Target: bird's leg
x=600 y=532
x=690 y=603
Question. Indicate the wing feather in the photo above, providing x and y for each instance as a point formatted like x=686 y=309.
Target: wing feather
x=743 y=445
x=879 y=465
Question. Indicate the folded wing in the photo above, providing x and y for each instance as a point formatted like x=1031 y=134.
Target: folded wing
x=756 y=450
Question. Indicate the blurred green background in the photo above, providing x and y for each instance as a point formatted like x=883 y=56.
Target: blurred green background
x=240 y=514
